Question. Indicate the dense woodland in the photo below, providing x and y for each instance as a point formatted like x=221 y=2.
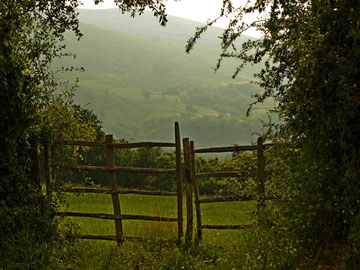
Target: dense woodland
x=309 y=64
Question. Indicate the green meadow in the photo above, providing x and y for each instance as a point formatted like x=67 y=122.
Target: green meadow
x=220 y=213
x=219 y=249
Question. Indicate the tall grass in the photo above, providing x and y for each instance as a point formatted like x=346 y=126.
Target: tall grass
x=212 y=213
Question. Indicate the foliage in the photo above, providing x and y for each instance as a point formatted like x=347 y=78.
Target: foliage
x=149 y=254
x=138 y=7
x=311 y=54
x=27 y=44
x=30 y=108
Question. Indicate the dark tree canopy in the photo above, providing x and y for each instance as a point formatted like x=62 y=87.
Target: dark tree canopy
x=30 y=109
x=310 y=52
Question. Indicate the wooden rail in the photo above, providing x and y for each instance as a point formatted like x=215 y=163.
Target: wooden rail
x=233 y=174
x=224 y=174
x=102 y=237
x=237 y=148
x=109 y=237
x=226 y=227
x=121 y=191
x=117 y=216
x=115 y=168
x=234 y=198
x=228 y=199
x=117 y=145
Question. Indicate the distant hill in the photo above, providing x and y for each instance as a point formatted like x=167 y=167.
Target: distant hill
x=139 y=80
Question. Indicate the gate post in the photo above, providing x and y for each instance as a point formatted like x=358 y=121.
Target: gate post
x=188 y=189
x=196 y=191
x=110 y=159
x=179 y=185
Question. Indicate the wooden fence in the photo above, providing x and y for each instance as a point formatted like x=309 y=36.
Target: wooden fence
x=111 y=168
x=192 y=178
x=191 y=184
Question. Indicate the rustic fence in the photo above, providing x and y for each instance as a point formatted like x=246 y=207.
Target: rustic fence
x=111 y=169
x=192 y=178
x=189 y=173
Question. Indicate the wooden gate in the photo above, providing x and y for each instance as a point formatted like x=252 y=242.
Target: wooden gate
x=192 y=178
x=191 y=184
x=111 y=169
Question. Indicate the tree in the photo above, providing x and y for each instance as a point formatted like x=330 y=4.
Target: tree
x=311 y=56
x=30 y=32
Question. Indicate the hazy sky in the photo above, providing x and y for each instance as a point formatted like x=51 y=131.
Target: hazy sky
x=196 y=10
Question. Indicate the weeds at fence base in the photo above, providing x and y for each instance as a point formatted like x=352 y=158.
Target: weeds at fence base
x=153 y=253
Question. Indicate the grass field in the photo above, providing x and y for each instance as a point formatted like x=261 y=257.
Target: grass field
x=212 y=213
x=219 y=249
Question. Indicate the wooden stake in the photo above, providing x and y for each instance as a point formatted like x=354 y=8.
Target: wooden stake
x=110 y=156
x=179 y=185
x=188 y=189
x=260 y=174
x=196 y=191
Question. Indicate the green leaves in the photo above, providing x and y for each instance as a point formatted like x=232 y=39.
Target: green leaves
x=311 y=54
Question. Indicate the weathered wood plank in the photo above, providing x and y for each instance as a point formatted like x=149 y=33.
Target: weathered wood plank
x=235 y=198
x=81 y=143
x=117 y=217
x=81 y=167
x=188 y=189
x=226 y=227
x=225 y=174
x=87 y=190
x=143 y=144
x=179 y=185
x=196 y=191
x=237 y=148
x=121 y=191
x=228 y=199
x=267 y=145
x=110 y=162
x=102 y=237
x=115 y=168
x=234 y=174
x=117 y=145
x=226 y=149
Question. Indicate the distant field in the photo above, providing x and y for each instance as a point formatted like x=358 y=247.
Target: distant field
x=212 y=213
x=139 y=80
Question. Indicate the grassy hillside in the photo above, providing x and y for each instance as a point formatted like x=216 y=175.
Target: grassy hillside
x=139 y=80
